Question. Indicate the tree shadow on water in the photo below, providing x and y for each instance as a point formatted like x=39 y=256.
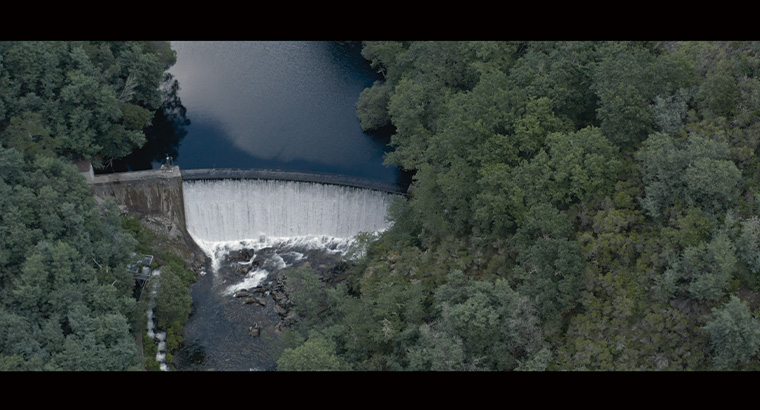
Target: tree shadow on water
x=163 y=135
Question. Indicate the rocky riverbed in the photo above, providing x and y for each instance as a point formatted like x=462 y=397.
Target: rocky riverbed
x=242 y=308
x=241 y=305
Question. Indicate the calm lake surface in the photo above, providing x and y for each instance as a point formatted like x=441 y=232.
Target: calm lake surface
x=286 y=105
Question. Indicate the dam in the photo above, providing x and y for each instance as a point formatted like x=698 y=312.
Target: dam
x=223 y=205
x=270 y=105
x=245 y=209
x=253 y=225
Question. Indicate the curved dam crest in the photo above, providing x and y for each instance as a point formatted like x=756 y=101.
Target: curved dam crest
x=270 y=174
x=223 y=205
x=226 y=210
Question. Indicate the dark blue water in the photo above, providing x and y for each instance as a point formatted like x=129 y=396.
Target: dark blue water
x=286 y=105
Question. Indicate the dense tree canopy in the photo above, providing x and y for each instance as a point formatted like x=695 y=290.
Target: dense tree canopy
x=575 y=205
x=80 y=100
x=66 y=298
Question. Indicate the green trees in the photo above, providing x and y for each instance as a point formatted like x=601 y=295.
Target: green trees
x=310 y=299
x=719 y=92
x=173 y=303
x=575 y=206
x=29 y=134
x=82 y=100
x=628 y=77
x=316 y=354
x=695 y=170
x=748 y=244
x=734 y=333
x=622 y=82
x=65 y=290
x=549 y=272
x=580 y=165
x=560 y=72
x=704 y=269
x=67 y=299
x=372 y=107
x=487 y=325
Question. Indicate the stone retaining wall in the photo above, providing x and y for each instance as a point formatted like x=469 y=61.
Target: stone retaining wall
x=151 y=192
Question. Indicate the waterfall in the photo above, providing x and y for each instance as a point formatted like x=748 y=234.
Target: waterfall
x=260 y=210
x=253 y=230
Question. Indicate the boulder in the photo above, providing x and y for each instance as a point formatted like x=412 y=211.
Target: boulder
x=242 y=255
x=280 y=310
x=242 y=294
x=262 y=256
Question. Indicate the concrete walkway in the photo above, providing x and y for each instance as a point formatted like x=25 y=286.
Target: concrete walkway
x=335 y=179
x=117 y=177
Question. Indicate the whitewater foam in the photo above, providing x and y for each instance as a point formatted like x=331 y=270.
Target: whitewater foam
x=224 y=216
x=232 y=210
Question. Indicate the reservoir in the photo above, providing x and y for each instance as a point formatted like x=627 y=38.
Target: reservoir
x=286 y=105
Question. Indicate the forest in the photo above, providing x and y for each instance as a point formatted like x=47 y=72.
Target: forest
x=67 y=301
x=575 y=206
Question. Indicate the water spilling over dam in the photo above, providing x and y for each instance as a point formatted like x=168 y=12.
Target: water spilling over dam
x=251 y=209
x=253 y=225
x=253 y=229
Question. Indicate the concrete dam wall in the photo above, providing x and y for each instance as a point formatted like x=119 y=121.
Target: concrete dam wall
x=269 y=174
x=160 y=191
x=156 y=192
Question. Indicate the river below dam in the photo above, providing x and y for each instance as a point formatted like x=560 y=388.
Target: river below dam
x=253 y=231
x=230 y=333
